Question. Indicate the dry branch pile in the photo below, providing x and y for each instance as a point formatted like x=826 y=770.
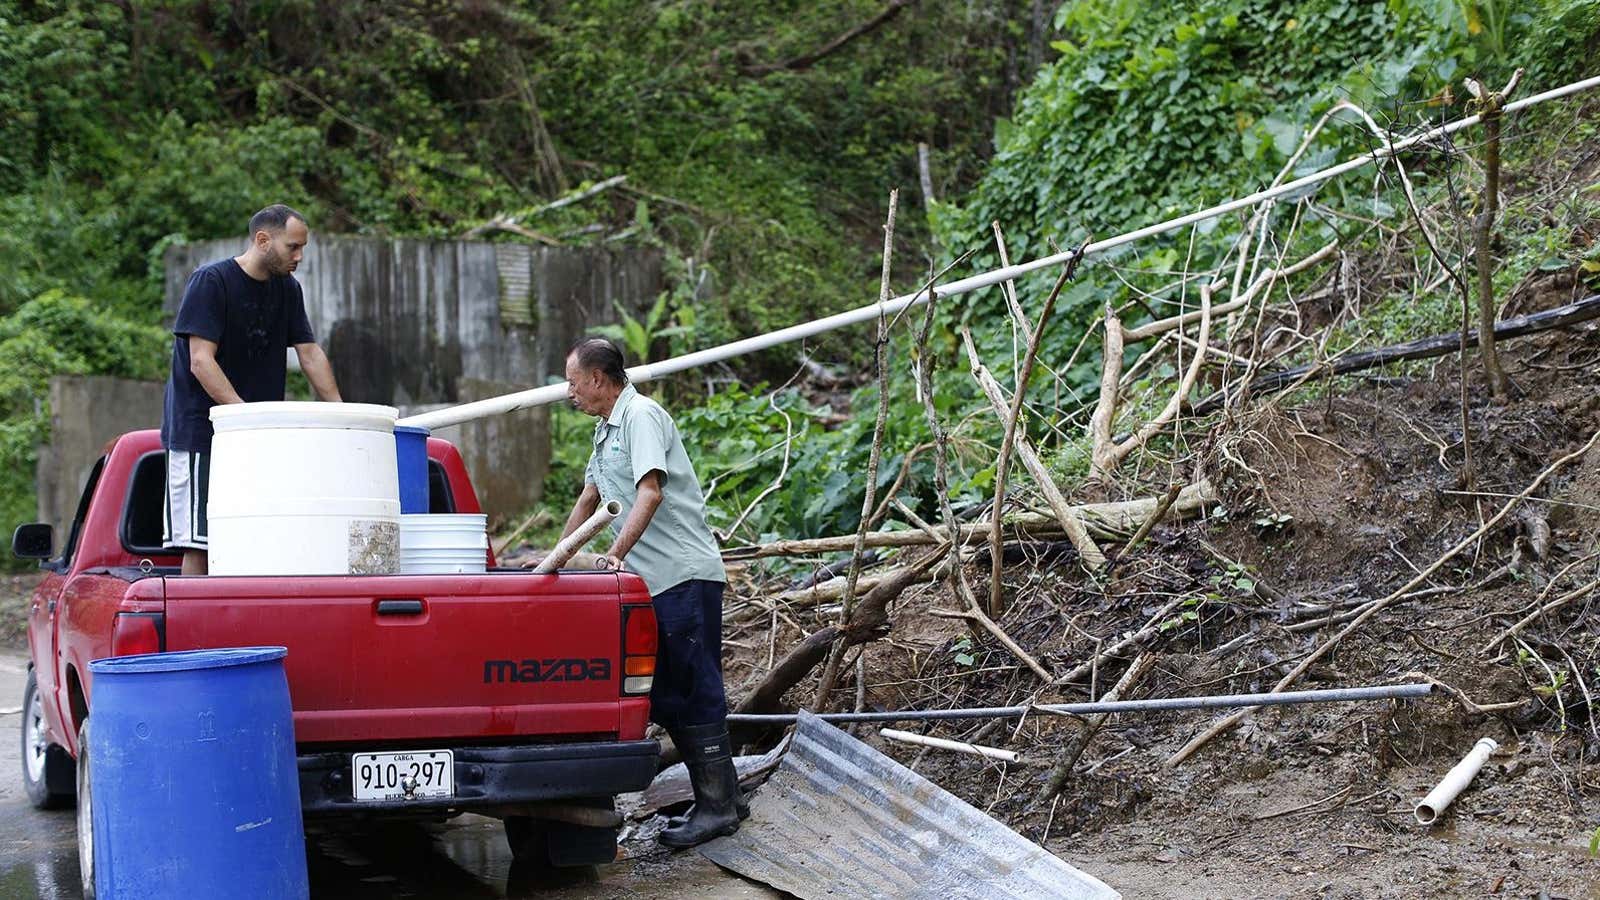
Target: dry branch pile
x=1232 y=537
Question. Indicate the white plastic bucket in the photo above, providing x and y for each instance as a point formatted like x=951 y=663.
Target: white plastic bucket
x=443 y=543
x=303 y=489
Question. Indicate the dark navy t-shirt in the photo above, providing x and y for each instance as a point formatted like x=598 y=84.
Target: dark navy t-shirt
x=253 y=323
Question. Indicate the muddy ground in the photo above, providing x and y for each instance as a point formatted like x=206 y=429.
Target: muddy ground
x=1331 y=498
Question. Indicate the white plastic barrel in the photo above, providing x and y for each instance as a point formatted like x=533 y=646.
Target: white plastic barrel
x=303 y=489
x=443 y=543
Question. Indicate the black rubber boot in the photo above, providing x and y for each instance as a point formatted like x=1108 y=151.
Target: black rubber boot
x=740 y=804
x=709 y=758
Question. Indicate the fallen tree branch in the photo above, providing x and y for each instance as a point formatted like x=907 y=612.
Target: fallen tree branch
x=1107 y=454
x=1079 y=742
x=1013 y=418
x=1477 y=709
x=1108 y=521
x=1422 y=348
x=870 y=619
x=1294 y=675
x=1103 y=447
x=1071 y=525
x=807 y=60
x=1552 y=606
x=830 y=672
x=1161 y=326
x=974 y=614
x=1134 y=639
x=941 y=485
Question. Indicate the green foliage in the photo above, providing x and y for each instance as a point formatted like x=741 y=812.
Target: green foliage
x=638 y=336
x=126 y=127
x=57 y=334
x=123 y=128
x=1145 y=116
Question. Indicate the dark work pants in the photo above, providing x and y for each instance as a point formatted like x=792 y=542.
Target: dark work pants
x=688 y=680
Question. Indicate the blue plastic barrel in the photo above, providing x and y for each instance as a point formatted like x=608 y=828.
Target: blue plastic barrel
x=193 y=778
x=411 y=457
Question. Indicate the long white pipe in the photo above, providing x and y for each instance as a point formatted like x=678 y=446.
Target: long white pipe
x=1431 y=807
x=554 y=393
x=572 y=543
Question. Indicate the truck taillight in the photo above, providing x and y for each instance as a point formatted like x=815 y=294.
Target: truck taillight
x=638 y=649
x=134 y=633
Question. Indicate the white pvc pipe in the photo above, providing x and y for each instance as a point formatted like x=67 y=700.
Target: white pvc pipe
x=907 y=737
x=466 y=412
x=572 y=543
x=1431 y=807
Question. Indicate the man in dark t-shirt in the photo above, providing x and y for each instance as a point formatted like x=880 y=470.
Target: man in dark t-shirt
x=235 y=321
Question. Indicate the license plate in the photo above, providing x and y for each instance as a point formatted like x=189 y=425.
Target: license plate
x=414 y=775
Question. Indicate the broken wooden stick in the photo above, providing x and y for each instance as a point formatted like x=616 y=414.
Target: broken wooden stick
x=1062 y=771
x=1107 y=521
x=1233 y=719
x=1013 y=418
x=1422 y=348
x=1107 y=453
x=1546 y=609
x=974 y=614
x=1071 y=525
x=830 y=671
x=1129 y=641
x=869 y=620
x=1152 y=520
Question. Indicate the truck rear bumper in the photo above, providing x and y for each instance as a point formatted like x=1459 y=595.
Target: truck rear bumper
x=490 y=777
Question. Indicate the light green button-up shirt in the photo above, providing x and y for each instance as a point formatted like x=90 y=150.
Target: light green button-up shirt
x=637 y=438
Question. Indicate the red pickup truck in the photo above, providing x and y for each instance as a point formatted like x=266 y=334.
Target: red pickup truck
x=508 y=694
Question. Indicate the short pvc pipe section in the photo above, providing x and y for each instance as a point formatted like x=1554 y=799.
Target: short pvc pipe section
x=1431 y=807
x=572 y=543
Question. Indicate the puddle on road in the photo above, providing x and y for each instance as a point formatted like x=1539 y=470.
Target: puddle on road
x=465 y=858
x=468 y=858
x=44 y=879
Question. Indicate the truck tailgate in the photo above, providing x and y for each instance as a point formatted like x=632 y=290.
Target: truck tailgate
x=414 y=657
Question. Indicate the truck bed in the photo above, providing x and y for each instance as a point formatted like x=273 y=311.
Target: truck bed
x=388 y=660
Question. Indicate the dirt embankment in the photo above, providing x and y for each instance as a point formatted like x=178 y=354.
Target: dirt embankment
x=1328 y=503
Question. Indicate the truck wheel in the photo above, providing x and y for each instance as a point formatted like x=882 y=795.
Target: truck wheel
x=46 y=767
x=85 y=815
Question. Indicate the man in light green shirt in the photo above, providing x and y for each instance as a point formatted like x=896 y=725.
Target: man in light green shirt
x=638 y=460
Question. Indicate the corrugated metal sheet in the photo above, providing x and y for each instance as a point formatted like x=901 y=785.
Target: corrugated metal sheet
x=839 y=819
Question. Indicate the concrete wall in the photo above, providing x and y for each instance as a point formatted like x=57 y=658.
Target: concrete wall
x=415 y=324
x=403 y=320
x=86 y=412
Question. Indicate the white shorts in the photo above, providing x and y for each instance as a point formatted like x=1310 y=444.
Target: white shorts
x=184 y=519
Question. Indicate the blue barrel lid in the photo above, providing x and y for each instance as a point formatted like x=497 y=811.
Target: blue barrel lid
x=187 y=660
x=412 y=429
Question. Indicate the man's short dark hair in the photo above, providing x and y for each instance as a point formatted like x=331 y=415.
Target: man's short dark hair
x=602 y=354
x=274 y=218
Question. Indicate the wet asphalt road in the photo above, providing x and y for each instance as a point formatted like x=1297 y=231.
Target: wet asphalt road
x=463 y=858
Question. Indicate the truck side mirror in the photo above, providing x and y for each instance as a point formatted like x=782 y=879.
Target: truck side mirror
x=33 y=541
